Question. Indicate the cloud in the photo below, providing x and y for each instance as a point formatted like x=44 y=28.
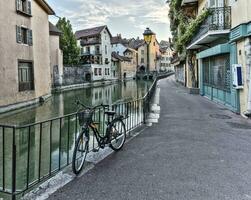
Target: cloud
x=135 y=13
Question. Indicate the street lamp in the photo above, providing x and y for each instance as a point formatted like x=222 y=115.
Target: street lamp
x=148 y=34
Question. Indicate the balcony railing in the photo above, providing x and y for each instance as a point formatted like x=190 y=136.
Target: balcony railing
x=90 y=41
x=218 y=20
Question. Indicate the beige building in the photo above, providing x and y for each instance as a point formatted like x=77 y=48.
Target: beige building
x=56 y=56
x=240 y=37
x=25 y=73
x=154 y=55
x=222 y=42
x=122 y=66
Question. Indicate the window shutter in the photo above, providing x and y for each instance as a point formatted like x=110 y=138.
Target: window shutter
x=30 y=38
x=18 y=5
x=19 y=34
x=29 y=7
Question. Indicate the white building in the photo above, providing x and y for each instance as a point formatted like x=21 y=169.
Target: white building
x=95 y=44
x=166 y=56
x=119 y=45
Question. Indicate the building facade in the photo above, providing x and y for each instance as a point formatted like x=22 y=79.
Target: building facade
x=119 y=45
x=56 y=56
x=25 y=73
x=154 y=55
x=222 y=41
x=166 y=56
x=124 y=65
x=95 y=44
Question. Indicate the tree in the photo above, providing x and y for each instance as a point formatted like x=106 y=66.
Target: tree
x=68 y=42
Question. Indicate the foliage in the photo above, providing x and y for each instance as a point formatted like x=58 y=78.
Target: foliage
x=68 y=42
x=191 y=30
x=182 y=27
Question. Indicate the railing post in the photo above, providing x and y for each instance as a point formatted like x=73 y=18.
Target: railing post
x=14 y=165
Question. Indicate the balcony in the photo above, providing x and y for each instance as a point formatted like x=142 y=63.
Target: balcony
x=217 y=25
x=90 y=41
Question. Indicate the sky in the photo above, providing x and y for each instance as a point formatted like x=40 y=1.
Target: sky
x=128 y=17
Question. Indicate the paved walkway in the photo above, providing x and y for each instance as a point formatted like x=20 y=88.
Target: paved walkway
x=189 y=155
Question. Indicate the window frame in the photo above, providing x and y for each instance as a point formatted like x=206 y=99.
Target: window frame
x=23 y=84
x=20 y=8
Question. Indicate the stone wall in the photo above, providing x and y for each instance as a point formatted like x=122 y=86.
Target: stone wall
x=75 y=75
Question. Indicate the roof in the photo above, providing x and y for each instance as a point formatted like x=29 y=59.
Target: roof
x=46 y=7
x=130 y=49
x=118 y=40
x=136 y=43
x=54 y=30
x=120 y=58
x=91 y=32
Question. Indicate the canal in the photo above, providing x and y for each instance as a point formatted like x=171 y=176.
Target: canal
x=46 y=148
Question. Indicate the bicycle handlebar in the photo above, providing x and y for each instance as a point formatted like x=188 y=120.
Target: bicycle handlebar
x=78 y=102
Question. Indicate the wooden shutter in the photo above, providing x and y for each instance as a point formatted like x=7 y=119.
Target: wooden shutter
x=18 y=5
x=30 y=38
x=29 y=7
x=19 y=34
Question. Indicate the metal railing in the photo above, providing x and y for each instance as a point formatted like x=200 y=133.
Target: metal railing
x=32 y=153
x=218 y=19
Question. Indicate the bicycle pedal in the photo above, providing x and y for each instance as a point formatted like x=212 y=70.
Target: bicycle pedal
x=95 y=150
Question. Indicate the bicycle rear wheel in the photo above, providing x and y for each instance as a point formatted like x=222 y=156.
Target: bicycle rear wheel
x=117 y=133
x=80 y=152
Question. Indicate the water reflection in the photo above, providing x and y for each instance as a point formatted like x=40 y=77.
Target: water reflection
x=46 y=147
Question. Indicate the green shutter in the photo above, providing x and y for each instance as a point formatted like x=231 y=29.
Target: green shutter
x=18 y=5
x=29 y=7
x=30 y=38
x=18 y=34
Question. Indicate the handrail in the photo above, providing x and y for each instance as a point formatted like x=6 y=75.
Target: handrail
x=67 y=128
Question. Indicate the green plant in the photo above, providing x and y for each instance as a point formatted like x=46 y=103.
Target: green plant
x=68 y=43
x=191 y=30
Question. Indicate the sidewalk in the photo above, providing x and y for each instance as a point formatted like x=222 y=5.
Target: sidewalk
x=198 y=151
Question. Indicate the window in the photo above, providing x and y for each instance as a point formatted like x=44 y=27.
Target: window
x=142 y=60
x=24 y=35
x=105 y=49
x=88 y=49
x=82 y=51
x=108 y=71
x=217 y=72
x=106 y=61
x=100 y=71
x=95 y=71
x=142 y=52
x=25 y=76
x=105 y=71
x=23 y=7
x=97 y=49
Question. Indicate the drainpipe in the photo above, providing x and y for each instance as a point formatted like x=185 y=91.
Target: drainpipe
x=248 y=60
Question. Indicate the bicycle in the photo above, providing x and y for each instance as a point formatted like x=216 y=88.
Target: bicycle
x=115 y=134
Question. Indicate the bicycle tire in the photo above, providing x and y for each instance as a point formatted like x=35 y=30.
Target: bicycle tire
x=77 y=169
x=117 y=123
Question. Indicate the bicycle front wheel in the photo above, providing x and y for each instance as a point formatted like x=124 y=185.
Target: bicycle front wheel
x=80 y=153
x=117 y=133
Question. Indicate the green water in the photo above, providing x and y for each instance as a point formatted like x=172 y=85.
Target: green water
x=51 y=151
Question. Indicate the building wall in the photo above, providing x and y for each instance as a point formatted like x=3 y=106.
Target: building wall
x=119 y=48
x=153 y=51
x=11 y=51
x=240 y=12
x=56 y=60
x=243 y=57
x=127 y=70
x=106 y=41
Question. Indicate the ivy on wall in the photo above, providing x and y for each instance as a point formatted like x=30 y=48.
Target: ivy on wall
x=182 y=27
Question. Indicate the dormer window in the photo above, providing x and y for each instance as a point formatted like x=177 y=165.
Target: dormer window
x=24 y=7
